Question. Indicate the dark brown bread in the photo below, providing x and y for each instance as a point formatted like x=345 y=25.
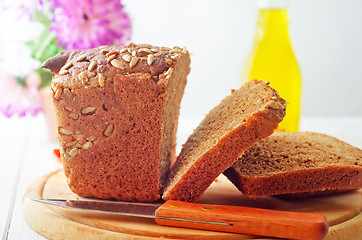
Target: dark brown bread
x=303 y=162
x=117 y=112
x=241 y=119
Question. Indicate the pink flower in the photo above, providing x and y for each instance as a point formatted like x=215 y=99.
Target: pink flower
x=90 y=23
x=16 y=98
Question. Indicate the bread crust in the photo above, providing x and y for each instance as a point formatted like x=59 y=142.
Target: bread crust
x=111 y=118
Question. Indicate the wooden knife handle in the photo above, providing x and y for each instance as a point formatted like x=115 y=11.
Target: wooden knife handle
x=254 y=221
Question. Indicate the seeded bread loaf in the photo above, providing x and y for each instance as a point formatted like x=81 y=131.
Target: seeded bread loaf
x=117 y=112
x=301 y=163
x=241 y=119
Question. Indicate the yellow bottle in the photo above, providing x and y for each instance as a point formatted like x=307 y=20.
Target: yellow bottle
x=272 y=59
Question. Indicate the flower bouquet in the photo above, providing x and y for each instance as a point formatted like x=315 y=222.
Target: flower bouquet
x=42 y=29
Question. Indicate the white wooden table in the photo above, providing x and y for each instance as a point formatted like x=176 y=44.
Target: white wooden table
x=27 y=154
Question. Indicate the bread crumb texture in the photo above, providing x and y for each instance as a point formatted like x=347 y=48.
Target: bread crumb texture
x=301 y=162
x=241 y=119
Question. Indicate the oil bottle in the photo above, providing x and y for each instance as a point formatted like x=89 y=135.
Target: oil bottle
x=272 y=59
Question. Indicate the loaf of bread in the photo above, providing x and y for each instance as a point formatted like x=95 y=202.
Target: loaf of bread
x=300 y=163
x=117 y=112
x=248 y=115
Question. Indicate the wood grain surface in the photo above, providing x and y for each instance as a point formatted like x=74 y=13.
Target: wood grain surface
x=343 y=212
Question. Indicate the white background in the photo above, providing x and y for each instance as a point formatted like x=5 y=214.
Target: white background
x=326 y=37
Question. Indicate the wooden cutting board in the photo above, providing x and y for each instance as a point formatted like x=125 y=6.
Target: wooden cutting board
x=343 y=212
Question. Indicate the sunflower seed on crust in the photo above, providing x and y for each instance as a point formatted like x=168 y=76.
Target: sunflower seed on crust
x=165 y=48
x=114 y=52
x=92 y=65
x=158 y=54
x=87 y=145
x=65 y=131
x=175 y=50
x=63 y=72
x=58 y=93
x=73 y=116
x=144 y=45
x=101 y=79
x=144 y=51
x=110 y=58
x=150 y=59
x=80 y=58
x=91 y=138
x=169 y=72
x=66 y=66
x=169 y=61
x=74 y=152
x=123 y=50
x=117 y=64
x=88 y=110
x=70 y=144
x=133 y=62
x=127 y=57
x=273 y=105
x=155 y=50
x=84 y=78
x=104 y=51
x=68 y=109
x=109 y=130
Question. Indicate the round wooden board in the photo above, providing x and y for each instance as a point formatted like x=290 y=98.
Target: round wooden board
x=343 y=212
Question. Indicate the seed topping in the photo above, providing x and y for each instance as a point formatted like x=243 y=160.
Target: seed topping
x=63 y=72
x=73 y=116
x=158 y=54
x=133 y=62
x=110 y=58
x=74 y=152
x=70 y=144
x=104 y=51
x=58 y=93
x=144 y=51
x=109 y=130
x=66 y=66
x=92 y=65
x=80 y=58
x=175 y=50
x=89 y=110
x=87 y=145
x=127 y=57
x=144 y=45
x=83 y=77
x=273 y=105
x=150 y=59
x=91 y=138
x=114 y=52
x=65 y=131
x=169 y=61
x=101 y=79
x=117 y=64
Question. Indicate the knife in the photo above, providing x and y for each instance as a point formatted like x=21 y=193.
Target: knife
x=233 y=219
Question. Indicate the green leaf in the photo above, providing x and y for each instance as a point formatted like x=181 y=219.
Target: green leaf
x=45 y=76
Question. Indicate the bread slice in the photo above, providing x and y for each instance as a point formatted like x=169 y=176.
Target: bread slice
x=240 y=120
x=301 y=162
x=117 y=112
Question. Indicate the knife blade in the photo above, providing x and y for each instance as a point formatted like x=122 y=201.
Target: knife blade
x=233 y=219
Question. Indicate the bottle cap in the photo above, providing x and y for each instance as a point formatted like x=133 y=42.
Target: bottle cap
x=273 y=4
